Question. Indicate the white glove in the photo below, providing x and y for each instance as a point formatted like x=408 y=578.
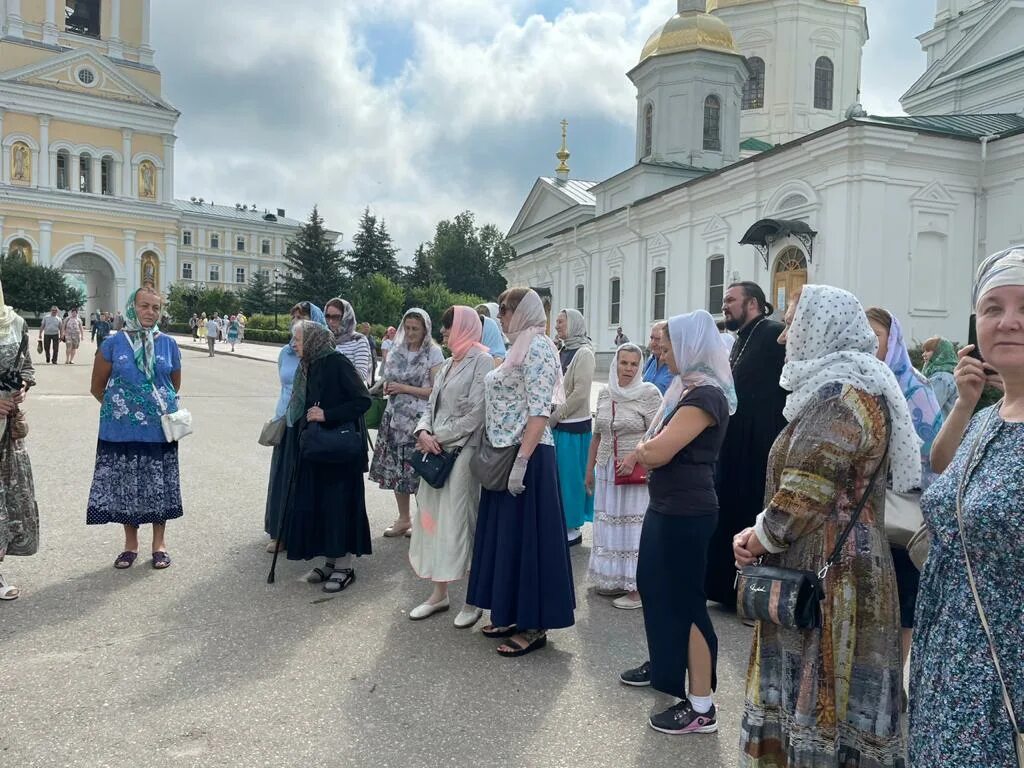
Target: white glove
x=516 y=476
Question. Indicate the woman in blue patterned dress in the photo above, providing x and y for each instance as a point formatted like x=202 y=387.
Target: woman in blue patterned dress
x=958 y=716
x=136 y=376
x=521 y=570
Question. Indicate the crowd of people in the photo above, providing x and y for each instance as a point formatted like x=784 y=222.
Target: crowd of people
x=789 y=445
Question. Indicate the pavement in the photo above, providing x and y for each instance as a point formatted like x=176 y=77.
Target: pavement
x=205 y=664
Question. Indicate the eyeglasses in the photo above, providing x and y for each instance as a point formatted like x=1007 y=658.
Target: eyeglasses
x=333 y=316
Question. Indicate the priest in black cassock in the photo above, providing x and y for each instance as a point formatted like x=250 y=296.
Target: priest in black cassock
x=756 y=359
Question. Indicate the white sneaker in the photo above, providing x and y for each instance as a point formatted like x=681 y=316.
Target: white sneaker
x=468 y=616
x=574 y=535
x=425 y=609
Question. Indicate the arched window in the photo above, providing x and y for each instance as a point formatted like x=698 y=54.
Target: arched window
x=824 y=77
x=790 y=275
x=753 y=89
x=713 y=124
x=648 y=130
x=716 y=284
x=85 y=172
x=107 y=175
x=63 y=168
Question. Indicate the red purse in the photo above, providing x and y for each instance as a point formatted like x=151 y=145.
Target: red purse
x=639 y=474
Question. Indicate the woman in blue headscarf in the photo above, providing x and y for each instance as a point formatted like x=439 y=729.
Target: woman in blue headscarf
x=136 y=377
x=282 y=464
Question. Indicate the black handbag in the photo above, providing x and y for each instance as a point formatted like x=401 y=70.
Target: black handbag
x=434 y=467
x=788 y=597
x=338 y=445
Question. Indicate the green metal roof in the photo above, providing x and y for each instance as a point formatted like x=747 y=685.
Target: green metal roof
x=756 y=145
x=968 y=126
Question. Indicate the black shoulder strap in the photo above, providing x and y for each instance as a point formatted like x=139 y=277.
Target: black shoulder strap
x=864 y=499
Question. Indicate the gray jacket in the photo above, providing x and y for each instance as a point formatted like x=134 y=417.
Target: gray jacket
x=455 y=411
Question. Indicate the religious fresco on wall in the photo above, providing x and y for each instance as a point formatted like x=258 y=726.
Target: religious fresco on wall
x=21 y=162
x=147 y=180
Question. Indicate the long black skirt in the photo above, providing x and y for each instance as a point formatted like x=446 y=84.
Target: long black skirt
x=670 y=578
x=521 y=569
x=282 y=465
x=326 y=514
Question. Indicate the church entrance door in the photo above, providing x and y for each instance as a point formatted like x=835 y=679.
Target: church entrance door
x=92 y=275
x=790 y=276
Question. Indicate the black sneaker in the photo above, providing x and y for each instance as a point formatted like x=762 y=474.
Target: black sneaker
x=681 y=719
x=638 y=677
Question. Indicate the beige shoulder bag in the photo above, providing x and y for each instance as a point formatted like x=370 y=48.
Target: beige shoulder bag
x=968 y=469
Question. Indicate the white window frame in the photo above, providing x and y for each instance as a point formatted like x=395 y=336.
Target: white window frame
x=654 y=293
x=715 y=310
x=614 y=305
x=265 y=247
x=186 y=237
x=240 y=272
x=215 y=240
x=215 y=273
x=186 y=270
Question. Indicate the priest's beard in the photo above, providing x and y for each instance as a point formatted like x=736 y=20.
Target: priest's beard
x=736 y=323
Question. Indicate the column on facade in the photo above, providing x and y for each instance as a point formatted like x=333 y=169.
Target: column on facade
x=126 y=162
x=1 y=230
x=43 y=179
x=96 y=173
x=122 y=291
x=5 y=154
x=114 y=43
x=75 y=173
x=145 y=50
x=228 y=276
x=15 y=24
x=168 y=180
x=169 y=273
x=50 y=25
x=45 y=243
x=132 y=265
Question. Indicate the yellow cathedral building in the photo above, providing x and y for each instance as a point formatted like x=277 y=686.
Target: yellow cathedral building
x=88 y=160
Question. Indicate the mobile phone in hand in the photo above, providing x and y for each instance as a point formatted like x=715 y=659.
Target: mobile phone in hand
x=972 y=338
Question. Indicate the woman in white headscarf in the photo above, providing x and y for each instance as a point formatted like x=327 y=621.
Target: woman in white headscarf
x=818 y=696
x=572 y=423
x=408 y=377
x=681 y=516
x=953 y=668
x=521 y=569
x=625 y=411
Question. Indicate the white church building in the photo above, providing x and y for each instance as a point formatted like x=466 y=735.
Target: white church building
x=755 y=161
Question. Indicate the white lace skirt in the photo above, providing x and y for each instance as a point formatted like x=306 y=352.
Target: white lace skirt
x=618 y=518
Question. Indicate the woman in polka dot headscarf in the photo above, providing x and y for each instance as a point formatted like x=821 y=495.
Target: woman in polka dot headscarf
x=847 y=418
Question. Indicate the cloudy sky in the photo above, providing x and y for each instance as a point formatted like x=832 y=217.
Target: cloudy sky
x=423 y=108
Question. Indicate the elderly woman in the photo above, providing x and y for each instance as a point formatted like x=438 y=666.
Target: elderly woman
x=681 y=516
x=927 y=416
x=831 y=696
x=19 y=515
x=492 y=338
x=521 y=569
x=282 y=463
x=571 y=421
x=625 y=411
x=136 y=377
x=974 y=567
x=408 y=376
x=442 y=534
x=326 y=516
x=939 y=363
x=71 y=333
x=341 y=319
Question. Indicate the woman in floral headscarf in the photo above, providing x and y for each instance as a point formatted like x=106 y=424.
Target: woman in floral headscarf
x=19 y=515
x=408 y=377
x=939 y=363
x=136 y=377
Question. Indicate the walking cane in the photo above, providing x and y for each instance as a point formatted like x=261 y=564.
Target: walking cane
x=287 y=503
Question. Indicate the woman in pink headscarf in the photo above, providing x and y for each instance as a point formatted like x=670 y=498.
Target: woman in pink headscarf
x=442 y=533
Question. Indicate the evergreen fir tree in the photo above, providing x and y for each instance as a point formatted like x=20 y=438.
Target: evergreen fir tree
x=422 y=272
x=257 y=297
x=373 y=252
x=313 y=265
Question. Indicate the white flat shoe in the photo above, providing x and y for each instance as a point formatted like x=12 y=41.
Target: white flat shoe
x=627 y=604
x=425 y=610
x=468 y=616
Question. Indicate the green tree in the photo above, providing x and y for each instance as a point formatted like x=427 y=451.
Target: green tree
x=184 y=299
x=421 y=273
x=373 y=252
x=258 y=296
x=34 y=288
x=377 y=299
x=468 y=259
x=435 y=299
x=313 y=264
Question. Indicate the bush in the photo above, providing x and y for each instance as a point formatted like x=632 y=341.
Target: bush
x=179 y=328
x=270 y=336
x=266 y=323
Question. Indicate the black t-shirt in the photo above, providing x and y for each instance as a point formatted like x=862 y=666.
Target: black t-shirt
x=686 y=485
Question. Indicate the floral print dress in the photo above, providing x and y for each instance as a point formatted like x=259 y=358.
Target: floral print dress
x=19 y=515
x=957 y=716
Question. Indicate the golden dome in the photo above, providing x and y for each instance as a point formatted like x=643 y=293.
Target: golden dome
x=714 y=5
x=690 y=31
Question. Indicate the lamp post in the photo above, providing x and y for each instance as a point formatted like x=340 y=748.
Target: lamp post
x=277 y=277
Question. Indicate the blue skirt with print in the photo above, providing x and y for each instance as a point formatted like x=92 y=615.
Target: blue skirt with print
x=134 y=484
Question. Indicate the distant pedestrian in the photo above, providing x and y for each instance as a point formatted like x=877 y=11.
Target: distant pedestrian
x=193 y=324
x=620 y=338
x=203 y=326
x=136 y=377
x=233 y=332
x=364 y=328
x=118 y=322
x=242 y=320
x=49 y=334
x=102 y=328
x=93 y=319
x=71 y=334
x=940 y=361
x=386 y=344
x=212 y=328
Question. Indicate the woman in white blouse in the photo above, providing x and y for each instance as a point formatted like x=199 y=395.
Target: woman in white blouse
x=521 y=570
x=625 y=410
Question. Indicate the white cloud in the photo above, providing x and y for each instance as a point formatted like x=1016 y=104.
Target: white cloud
x=287 y=109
